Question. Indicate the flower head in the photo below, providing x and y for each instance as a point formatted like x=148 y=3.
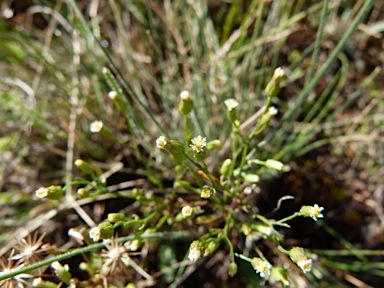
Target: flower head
x=272 y=111
x=187 y=211
x=185 y=96
x=112 y=94
x=185 y=105
x=207 y=192
x=29 y=249
x=52 y=192
x=231 y=104
x=262 y=267
x=115 y=258
x=298 y=256
x=195 y=251
x=312 y=211
x=161 y=142
x=96 y=126
x=8 y=266
x=273 y=87
x=198 y=144
x=174 y=147
x=104 y=231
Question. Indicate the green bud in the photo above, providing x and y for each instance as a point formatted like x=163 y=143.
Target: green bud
x=231 y=109
x=116 y=217
x=298 y=256
x=40 y=283
x=232 y=269
x=280 y=275
x=85 y=167
x=52 y=192
x=62 y=272
x=224 y=169
x=83 y=193
x=213 y=144
x=312 y=211
x=211 y=247
x=252 y=178
x=105 y=230
x=274 y=164
x=246 y=228
x=185 y=105
x=273 y=87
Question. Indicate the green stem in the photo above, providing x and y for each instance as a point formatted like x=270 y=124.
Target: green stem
x=64 y=256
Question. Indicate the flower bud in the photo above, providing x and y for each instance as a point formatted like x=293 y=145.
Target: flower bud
x=312 y=211
x=52 y=192
x=246 y=229
x=232 y=269
x=213 y=144
x=211 y=247
x=273 y=87
x=174 y=147
x=116 y=217
x=262 y=267
x=252 y=178
x=62 y=272
x=231 y=108
x=104 y=231
x=280 y=275
x=274 y=164
x=40 y=283
x=85 y=167
x=224 y=169
x=185 y=105
x=82 y=192
x=195 y=251
x=299 y=257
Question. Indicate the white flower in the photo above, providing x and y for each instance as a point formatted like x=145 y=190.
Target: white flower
x=187 y=211
x=262 y=267
x=42 y=192
x=207 y=192
x=95 y=234
x=96 y=126
x=198 y=144
x=231 y=104
x=305 y=265
x=185 y=96
x=279 y=72
x=112 y=94
x=194 y=254
x=161 y=142
x=315 y=212
x=272 y=111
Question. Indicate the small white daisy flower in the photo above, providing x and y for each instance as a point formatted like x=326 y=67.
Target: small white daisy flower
x=194 y=254
x=315 y=212
x=231 y=104
x=305 y=265
x=96 y=126
x=262 y=267
x=198 y=144
x=161 y=142
x=185 y=96
x=272 y=111
x=112 y=94
x=187 y=211
x=95 y=234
